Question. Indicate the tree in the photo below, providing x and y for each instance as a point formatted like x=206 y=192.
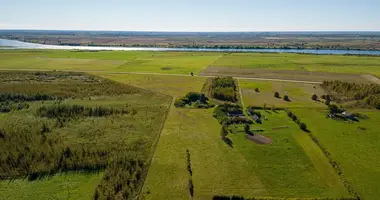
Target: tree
x=257 y=90
x=327 y=102
x=246 y=128
x=224 y=132
x=314 y=97
x=286 y=98
x=192 y=74
x=303 y=126
x=334 y=109
x=203 y=98
x=277 y=95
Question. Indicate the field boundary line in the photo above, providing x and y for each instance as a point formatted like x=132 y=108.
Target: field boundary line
x=154 y=147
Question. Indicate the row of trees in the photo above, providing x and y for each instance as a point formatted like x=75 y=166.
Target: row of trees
x=224 y=88
x=74 y=111
x=296 y=120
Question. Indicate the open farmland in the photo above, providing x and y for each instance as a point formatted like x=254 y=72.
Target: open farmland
x=298 y=93
x=221 y=170
x=302 y=62
x=353 y=146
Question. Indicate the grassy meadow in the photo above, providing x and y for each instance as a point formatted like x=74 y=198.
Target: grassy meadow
x=280 y=169
x=298 y=93
x=303 y=62
x=182 y=62
x=72 y=185
x=353 y=146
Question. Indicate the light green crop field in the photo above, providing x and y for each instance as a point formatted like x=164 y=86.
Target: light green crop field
x=175 y=86
x=73 y=185
x=354 y=146
x=288 y=61
x=181 y=62
x=128 y=61
x=298 y=93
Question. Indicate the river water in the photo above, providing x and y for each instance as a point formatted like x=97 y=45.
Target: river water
x=14 y=44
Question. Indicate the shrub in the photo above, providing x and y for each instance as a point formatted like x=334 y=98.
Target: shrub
x=277 y=95
x=286 y=98
x=246 y=128
x=257 y=90
x=224 y=131
x=335 y=109
x=327 y=102
x=314 y=97
x=303 y=126
x=179 y=103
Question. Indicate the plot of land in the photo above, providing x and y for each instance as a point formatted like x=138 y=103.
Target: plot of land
x=299 y=94
x=287 y=75
x=247 y=169
x=354 y=146
x=174 y=86
x=79 y=186
x=129 y=61
x=302 y=62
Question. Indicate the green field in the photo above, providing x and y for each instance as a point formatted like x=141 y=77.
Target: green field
x=220 y=170
x=292 y=166
x=79 y=186
x=281 y=169
x=129 y=61
x=182 y=62
x=287 y=61
x=298 y=93
x=356 y=150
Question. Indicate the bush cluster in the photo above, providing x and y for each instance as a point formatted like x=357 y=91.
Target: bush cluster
x=365 y=94
x=221 y=111
x=224 y=88
x=193 y=99
x=8 y=106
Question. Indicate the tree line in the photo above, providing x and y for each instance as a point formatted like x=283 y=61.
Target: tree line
x=74 y=111
x=365 y=94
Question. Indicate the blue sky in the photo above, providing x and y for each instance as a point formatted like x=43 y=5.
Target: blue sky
x=192 y=15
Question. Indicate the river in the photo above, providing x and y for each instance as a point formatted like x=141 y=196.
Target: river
x=14 y=44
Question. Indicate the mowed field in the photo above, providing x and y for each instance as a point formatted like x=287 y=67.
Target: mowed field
x=72 y=185
x=298 y=93
x=247 y=169
x=302 y=62
x=354 y=146
x=116 y=61
x=187 y=62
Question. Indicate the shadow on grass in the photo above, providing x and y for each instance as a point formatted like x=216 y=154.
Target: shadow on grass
x=228 y=141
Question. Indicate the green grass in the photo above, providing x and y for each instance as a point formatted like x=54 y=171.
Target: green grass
x=175 y=86
x=181 y=62
x=356 y=150
x=78 y=186
x=288 y=61
x=299 y=94
x=128 y=61
x=281 y=169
